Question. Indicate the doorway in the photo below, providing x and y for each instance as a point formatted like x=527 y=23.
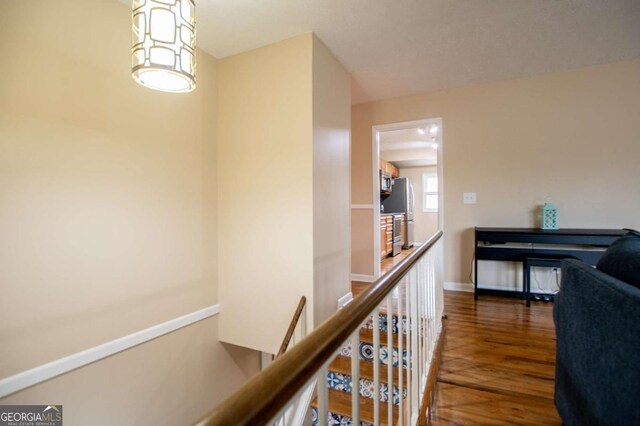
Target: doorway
x=409 y=156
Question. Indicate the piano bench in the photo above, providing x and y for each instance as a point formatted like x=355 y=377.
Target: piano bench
x=537 y=260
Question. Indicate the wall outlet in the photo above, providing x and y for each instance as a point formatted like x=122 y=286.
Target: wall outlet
x=469 y=198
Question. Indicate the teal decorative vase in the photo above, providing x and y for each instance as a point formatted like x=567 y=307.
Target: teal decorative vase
x=549 y=216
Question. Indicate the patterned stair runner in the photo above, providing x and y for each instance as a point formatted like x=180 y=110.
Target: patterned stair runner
x=339 y=379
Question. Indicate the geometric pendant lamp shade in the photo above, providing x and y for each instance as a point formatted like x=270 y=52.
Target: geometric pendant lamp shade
x=164 y=37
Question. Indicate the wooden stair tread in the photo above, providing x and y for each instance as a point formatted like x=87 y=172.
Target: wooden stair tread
x=342 y=365
x=340 y=403
x=366 y=335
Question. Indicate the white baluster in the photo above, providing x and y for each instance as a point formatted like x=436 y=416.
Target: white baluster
x=429 y=301
x=421 y=324
x=323 y=396
x=376 y=366
x=355 y=378
x=438 y=282
x=390 y=358
x=415 y=370
x=425 y=324
x=409 y=348
x=434 y=315
x=435 y=312
x=427 y=321
x=401 y=373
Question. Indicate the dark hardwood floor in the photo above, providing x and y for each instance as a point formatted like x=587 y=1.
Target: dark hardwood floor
x=498 y=363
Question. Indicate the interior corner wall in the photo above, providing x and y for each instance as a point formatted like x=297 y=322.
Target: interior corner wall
x=265 y=164
x=331 y=181
x=108 y=223
x=571 y=136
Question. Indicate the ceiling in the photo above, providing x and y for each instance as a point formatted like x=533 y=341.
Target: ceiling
x=408 y=147
x=401 y=47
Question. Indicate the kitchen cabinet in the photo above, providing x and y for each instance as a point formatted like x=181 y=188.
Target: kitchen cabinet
x=389 y=168
x=386 y=235
x=394 y=171
x=389 y=239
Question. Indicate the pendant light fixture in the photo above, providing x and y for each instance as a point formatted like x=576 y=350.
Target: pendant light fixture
x=163 y=52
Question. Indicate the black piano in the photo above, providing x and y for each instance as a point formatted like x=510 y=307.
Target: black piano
x=516 y=244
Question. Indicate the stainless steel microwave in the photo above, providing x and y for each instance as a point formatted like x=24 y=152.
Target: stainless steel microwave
x=385 y=182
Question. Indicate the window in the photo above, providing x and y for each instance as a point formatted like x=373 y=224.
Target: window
x=429 y=192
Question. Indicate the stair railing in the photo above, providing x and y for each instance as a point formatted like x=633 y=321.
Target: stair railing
x=292 y=327
x=412 y=291
x=295 y=413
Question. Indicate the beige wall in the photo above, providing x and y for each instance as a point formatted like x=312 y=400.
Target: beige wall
x=331 y=177
x=108 y=199
x=361 y=156
x=172 y=380
x=284 y=122
x=426 y=223
x=362 y=219
x=572 y=136
x=362 y=241
x=266 y=202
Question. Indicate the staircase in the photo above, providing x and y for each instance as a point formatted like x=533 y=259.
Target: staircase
x=339 y=378
x=406 y=302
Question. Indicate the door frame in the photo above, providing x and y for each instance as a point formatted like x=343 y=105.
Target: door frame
x=375 y=155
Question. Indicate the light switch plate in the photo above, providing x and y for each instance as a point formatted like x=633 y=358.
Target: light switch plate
x=469 y=197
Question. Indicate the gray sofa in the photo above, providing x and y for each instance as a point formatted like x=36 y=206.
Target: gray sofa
x=597 y=317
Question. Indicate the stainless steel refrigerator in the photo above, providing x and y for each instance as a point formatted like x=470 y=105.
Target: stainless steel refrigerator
x=402 y=200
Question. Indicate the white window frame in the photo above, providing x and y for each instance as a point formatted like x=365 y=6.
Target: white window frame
x=425 y=177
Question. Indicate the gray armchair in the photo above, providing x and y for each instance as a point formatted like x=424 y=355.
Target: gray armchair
x=597 y=321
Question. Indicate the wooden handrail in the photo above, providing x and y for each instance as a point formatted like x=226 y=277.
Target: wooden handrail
x=266 y=394
x=292 y=327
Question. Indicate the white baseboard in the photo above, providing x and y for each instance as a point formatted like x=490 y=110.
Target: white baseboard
x=454 y=286
x=363 y=278
x=17 y=382
x=503 y=287
x=344 y=300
